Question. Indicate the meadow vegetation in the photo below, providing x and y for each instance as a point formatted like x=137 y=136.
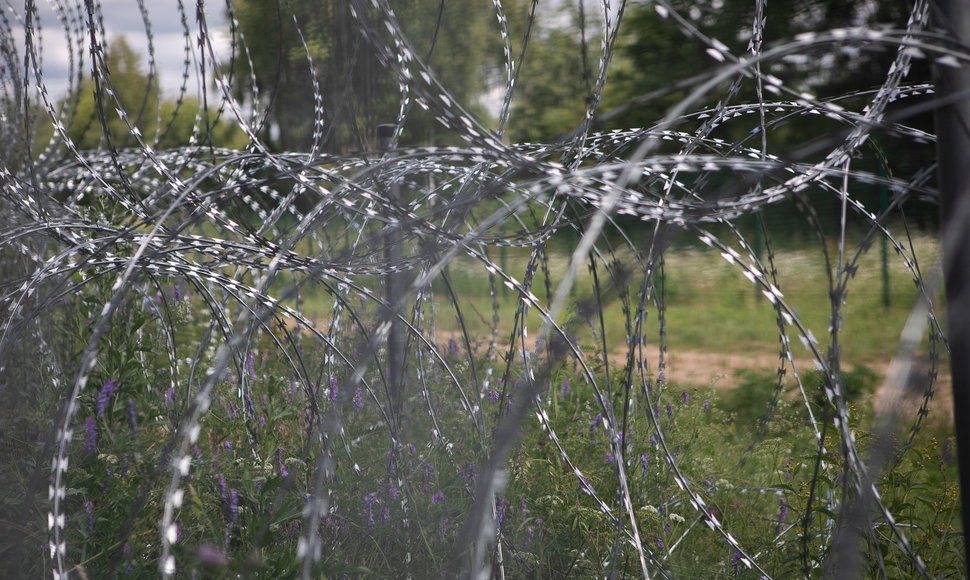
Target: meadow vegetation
x=748 y=451
x=417 y=293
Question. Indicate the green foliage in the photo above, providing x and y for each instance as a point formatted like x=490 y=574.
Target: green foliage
x=657 y=51
x=254 y=467
x=652 y=54
x=753 y=398
x=135 y=91
x=357 y=91
x=551 y=98
x=162 y=123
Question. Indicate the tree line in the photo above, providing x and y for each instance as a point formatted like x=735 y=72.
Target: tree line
x=294 y=46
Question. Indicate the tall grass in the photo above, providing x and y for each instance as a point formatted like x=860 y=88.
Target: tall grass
x=197 y=344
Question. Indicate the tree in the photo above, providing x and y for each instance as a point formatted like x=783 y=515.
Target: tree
x=653 y=55
x=551 y=97
x=654 y=51
x=139 y=96
x=135 y=91
x=357 y=91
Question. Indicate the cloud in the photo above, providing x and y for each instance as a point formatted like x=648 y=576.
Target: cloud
x=57 y=33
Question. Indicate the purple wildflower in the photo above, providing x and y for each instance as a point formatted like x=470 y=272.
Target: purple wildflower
x=131 y=563
x=443 y=527
x=233 y=507
x=104 y=396
x=228 y=446
x=222 y=486
x=492 y=396
x=594 y=424
x=438 y=498
x=232 y=409
x=667 y=528
x=707 y=405
x=91 y=441
x=644 y=461
x=233 y=514
x=735 y=561
x=332 y=393
x=392 y=491
x=279 y=461
x=369 y=501
x=453 y=347
x=212 y=556
x=782 y=512
x=89 y=522
x=653 y=440
x=249 y=366
x=565 y=387
x=132 y=413
x=391 y=462
x=358 y=401
x=531 y=532
x=610 y=458
x=686 y=397
x=178 y=293
x=260 y=423
x=670 y=410
x=167 y=398
x=500 y=508
x=470 y=472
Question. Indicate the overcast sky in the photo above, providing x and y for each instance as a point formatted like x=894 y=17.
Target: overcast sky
x=123 y=18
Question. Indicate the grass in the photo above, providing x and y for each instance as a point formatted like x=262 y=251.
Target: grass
x=709 y=305
x=396 y=504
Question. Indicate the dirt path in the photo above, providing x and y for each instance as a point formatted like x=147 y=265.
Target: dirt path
x=722 y=370
x=726 y=371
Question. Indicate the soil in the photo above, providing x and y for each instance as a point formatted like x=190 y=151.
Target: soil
x=728 y=371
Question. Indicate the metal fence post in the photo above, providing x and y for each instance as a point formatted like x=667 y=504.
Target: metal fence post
x=953 y=155
x=395 y=286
